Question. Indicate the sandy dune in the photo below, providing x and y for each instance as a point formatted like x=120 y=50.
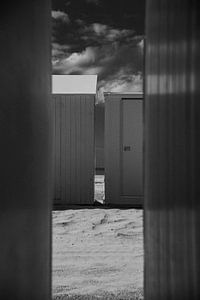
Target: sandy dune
x=98 y=254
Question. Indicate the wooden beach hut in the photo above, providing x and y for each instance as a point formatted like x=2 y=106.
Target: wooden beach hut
x=73 y=103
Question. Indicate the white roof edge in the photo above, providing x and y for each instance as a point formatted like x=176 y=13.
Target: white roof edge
x=74 y=84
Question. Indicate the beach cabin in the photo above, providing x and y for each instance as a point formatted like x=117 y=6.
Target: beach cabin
x=172 y=147
x=124 y=149
x=73 y=102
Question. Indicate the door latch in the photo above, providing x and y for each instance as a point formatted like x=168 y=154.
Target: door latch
x=127 y=148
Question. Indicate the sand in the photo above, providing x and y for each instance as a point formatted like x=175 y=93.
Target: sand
x=98 y=254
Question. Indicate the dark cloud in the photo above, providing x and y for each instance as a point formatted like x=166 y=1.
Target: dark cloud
x=100 y=37
x=116 y=13
x=107 y=58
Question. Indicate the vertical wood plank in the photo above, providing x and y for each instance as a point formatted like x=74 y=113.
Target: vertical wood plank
x=57 y=149
x=83 y=150
x=52 y=101
x=78 y=157
x=91 y=154
x=73 y=150
x=112 y=150
x=172 y=128
x=62 y=148
x=67 y=148
x=26 y=150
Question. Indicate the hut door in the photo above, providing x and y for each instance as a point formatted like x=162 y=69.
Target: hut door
x=131 y=152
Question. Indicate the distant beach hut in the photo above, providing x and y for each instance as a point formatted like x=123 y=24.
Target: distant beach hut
x=73 y=103
x=123 y=149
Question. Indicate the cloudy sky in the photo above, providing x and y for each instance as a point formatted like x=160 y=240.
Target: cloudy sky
x=103 y=37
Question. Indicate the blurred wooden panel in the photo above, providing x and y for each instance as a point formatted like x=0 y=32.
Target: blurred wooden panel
x=26 y=150
x=74 y=149
x=172 y=147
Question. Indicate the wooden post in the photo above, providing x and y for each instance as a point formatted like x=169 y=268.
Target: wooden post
x=25 y=203
x=172 y=150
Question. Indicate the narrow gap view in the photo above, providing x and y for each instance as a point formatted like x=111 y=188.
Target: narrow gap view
x=97 y=100
x=99 y=189
x=99 y=179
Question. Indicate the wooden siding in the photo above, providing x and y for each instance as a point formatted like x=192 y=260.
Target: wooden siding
x=26 y=151
x=112 y=150
x=99 y=137
x=113 y=145
x=172 y=151
x=73 y=149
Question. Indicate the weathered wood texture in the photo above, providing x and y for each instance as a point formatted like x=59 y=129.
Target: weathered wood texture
x=99 y=137
x=25 y=160
x=113 y=151
x=172 y=151
x=73 y=149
